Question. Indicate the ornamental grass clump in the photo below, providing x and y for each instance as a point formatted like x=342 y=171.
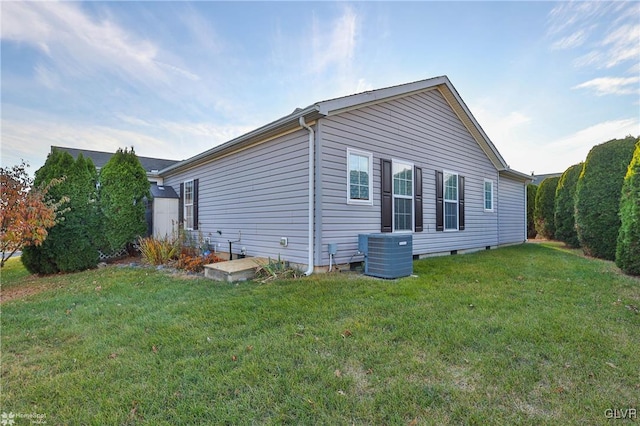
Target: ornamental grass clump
x=159 y=251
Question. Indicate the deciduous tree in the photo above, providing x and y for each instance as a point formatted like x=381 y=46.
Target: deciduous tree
x=25 y=214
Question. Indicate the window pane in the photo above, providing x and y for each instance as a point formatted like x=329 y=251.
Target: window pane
x=451 y=187
x=189 y=216
x=354 y=191
x=402 y=179
x=363 y=164
x=188 y=192
x=403 y=217
x=450 y=215
x=354 y=161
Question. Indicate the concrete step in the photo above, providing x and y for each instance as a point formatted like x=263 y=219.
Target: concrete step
x=234 y=270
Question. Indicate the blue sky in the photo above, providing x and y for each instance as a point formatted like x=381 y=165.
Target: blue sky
x=545 y=80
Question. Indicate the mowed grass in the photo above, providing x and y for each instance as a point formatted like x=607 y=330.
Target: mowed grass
x=531 y=334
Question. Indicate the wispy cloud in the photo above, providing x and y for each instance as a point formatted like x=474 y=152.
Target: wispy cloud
x=612 y=85
x=324 y=53
x=29 y=134
x=557 y=154
x=604 y=36
x=573 y=40
x=585 y=139
x=623 y=44
x=77 y=45
x=501 y=127
x=567 y=15
x=337 y=45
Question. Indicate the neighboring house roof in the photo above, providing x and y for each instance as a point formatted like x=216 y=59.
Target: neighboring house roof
x=161 y=191
x=537 y=179
x=351 y=102
x=100 y=158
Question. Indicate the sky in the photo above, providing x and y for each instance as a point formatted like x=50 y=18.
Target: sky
x=546 y=80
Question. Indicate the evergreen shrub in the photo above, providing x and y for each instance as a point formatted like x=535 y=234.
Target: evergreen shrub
x=598 y=196
x=628 y=248
x=565 y=219
x=544 y=210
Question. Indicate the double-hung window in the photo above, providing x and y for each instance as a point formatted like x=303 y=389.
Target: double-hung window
x=402 y=196
x=488 y=195
x=359 y=182
x=188 y=204
x=450 y=201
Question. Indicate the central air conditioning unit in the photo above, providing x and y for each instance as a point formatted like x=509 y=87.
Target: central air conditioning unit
x=387 y=255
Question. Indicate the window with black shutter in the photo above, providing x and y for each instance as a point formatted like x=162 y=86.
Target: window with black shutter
x=401 y=197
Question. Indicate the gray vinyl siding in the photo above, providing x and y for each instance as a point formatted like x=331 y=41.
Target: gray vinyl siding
x=421 y=129
x=512 y=196
x=261 y=192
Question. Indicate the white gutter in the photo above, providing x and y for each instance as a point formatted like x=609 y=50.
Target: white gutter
x=309 y=270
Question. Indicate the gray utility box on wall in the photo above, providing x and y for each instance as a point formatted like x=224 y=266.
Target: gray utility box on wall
x=387 y=255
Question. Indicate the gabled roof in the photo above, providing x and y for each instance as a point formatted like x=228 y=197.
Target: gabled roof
x=100 y=158
x=347 y=103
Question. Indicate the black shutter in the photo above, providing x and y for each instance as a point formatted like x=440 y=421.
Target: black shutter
x=181 y=207
x=195 y=203
x=386 y=206
x=461 y=203
x=439 y=201
x=417 y=200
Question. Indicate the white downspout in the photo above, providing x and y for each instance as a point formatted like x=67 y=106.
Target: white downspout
x=309 y=270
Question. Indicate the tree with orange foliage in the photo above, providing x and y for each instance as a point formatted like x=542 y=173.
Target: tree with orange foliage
x=25 y=213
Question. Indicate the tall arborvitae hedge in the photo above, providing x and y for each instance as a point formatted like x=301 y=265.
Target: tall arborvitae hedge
x=123 y=188
x=565 y=218
x=598 y=196
x=531 y=206
x=545 y=205
x=72 y=244
x=628 y=248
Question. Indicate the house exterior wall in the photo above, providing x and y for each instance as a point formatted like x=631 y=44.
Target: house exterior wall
x=421 y=129
x=257 y=195
x=512 y=212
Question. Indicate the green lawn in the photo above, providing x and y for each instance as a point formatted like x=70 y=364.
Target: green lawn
x=531 y=334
